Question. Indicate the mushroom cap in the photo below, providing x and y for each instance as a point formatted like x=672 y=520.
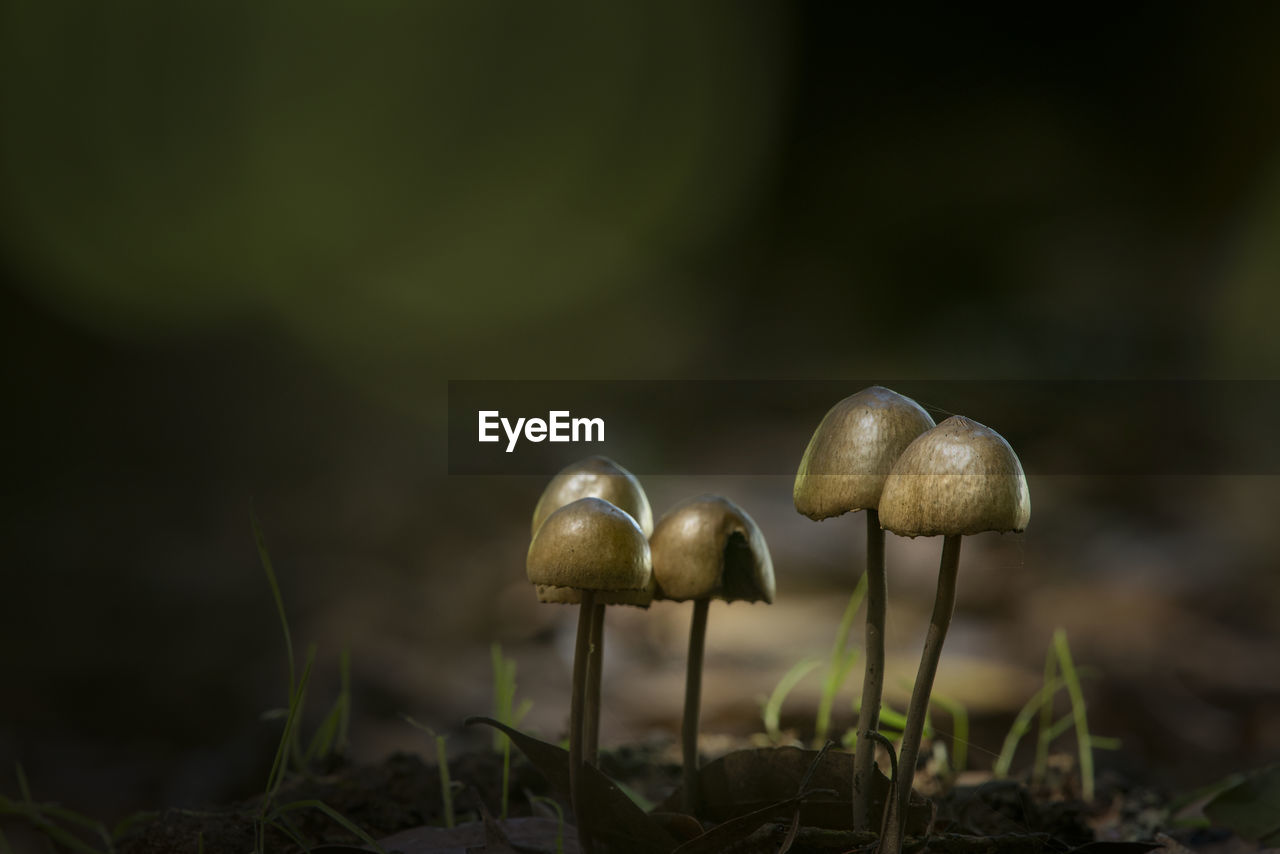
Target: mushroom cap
x=958 y=478
x=853 y=450
x=708 y=547
x=598 y=477
x=590 y=544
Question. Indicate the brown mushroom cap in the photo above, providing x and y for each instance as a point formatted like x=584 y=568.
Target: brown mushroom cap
x=708 y=547
x=590 y=545
x=853 y=450
x=598 y=477
x=958 y=478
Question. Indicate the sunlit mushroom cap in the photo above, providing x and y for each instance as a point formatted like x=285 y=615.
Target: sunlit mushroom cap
x=958 y=478
x=595 y=477
x=590 y=545
x=854 y=449
x=708 y=547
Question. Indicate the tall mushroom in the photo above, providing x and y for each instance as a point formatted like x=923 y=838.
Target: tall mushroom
x=598 y=477
x=843 y=470
x=958 y=479
x=706 y=548
x=593 y=550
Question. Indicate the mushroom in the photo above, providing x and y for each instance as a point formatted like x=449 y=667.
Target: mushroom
x=958 y=479
x=706 y=548
x=597 y=551
x=843 y=470
x=598 y=477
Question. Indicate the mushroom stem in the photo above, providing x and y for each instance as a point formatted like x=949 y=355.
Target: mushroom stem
x=873 y=675
x=943 y=605
x=693 y=703
x=591 y=720
x=581 y=663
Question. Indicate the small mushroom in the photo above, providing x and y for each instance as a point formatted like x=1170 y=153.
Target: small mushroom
x=843 y=470
x=707 y=548
x=958 y=479
x=598 y=477
x=594 y=549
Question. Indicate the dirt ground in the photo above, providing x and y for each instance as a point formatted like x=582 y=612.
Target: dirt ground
x=398 y=802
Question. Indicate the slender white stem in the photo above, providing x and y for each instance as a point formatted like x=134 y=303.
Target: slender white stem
x=872 y=676
x=693 y=703
x=944 y=604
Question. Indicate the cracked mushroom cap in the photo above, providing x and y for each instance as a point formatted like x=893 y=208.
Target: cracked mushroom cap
x=590 y=544
x=709 y=547
x=958 y=478
x=853 y=450
x=597 y=477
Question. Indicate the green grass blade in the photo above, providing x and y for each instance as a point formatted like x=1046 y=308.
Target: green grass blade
x=959 y=729
x=326 y=735
x=1021 y=726
x=330 y=737
x=287 y=737
x=265 y=557
x=290 y=831
x=41 y=818
x=63 y=837
x=773 y=706
x=442 y=761
x=1078 y=713
x=295 y=753
x=505 y=712
x=523 y=709
x=72 y=817
x=831 y=686
x=892 y=719
x=545 y=801
x=1060 y=726
x=1043 y=738
x=638 y=799
x=840 y=662
x=446 y=784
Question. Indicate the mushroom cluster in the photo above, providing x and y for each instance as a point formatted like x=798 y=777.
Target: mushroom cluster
x=594 y=544
x=881 y=452
x=595 y=477
x=591 y=548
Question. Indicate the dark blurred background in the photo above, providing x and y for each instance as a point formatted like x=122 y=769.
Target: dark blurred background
x=246 y=245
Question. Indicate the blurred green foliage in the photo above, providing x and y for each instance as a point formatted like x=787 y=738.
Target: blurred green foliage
x=639 y=190
x=376 y=176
